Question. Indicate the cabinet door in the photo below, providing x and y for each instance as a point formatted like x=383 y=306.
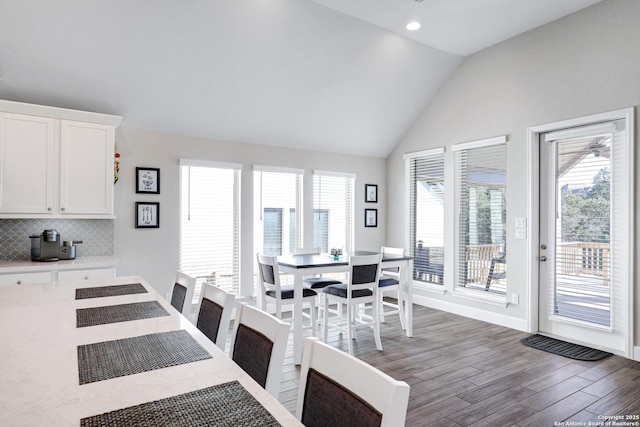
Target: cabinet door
x=86 y=168
x=27 y=164
x=25 y=278
x=98 y=274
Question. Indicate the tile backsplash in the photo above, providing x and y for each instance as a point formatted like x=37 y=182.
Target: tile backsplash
x=97 y=235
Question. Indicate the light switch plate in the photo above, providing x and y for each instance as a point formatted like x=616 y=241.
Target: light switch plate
x=521 y=222
x=521 y=233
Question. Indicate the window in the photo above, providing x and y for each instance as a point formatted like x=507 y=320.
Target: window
x=277 y=193
x=480 y=191
x=209 y=223
x=426 y=214
x=333 y=211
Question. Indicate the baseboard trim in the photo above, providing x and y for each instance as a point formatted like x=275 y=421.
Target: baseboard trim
x=473 y=313
x=636 y=353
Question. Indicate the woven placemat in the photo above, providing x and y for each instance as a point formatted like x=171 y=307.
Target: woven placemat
x=118 y=358
x=223 y=405
x=110 y=291
x=118 y=313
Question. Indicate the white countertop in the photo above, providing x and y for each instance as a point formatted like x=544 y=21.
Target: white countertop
x=39 y=382
x=80 y=263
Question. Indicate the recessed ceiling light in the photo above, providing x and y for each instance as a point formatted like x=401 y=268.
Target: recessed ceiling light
x=412 y=26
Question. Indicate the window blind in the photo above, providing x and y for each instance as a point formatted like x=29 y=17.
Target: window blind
x=278 y=201
x=333 y=211
x=480 y=192
x=209 y=223
x=583 y=188
x=426 y=215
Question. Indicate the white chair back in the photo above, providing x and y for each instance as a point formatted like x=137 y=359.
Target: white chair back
x=214 y=315
x=269 y=276
x=319 y=400
x=258 y=346
x=182 y=293
x=364 y=272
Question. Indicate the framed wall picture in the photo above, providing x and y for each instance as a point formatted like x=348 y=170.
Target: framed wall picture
x=371 y=193
x=148 y=180
x=147 y=215
x=371 y=217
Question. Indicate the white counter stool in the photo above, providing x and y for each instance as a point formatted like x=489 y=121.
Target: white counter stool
x=258 y=346
x=214 y=315
x=360 y=289
x=338 y=389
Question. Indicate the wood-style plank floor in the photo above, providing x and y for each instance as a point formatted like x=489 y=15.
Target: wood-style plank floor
x=464 y=372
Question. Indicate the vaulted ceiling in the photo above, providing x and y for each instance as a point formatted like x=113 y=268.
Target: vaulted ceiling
x=342 y=76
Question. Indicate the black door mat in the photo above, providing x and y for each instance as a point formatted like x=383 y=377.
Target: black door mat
x=562 y=348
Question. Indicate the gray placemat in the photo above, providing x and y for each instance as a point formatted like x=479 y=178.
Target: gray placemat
x=110 y=291
x=118 y=313
x=224 y=405
x=118 y=358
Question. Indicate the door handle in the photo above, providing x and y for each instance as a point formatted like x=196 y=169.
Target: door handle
x=543 y=258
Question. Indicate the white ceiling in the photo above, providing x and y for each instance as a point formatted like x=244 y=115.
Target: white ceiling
x=291 y=73
x=461 y=27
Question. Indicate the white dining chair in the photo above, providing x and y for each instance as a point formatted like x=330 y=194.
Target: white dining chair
x=282 y=295
x=258 y=346
x=214 y=315
x=361 y=289
x=182 y=293
x=318 y=281
x=338 y=389
x=390 y=282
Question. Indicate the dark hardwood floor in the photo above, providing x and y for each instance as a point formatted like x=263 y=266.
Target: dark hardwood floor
x=464 y=372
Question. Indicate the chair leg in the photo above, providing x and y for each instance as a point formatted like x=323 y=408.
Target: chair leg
x=381 y=304
x=401 y=307
x=350 y=320
x=376 y=326
x=312 y=316
x=325 y=319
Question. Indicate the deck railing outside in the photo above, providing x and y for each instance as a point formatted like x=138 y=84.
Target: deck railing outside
x=573 y=259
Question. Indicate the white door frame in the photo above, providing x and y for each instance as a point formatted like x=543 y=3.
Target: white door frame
x=533 y=201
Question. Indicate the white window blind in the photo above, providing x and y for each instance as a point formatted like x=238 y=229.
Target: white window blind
x=426 y=215
x=480 y=191
x=278 y=198
x=333 y=211
x=583 y=202
x=209 y=223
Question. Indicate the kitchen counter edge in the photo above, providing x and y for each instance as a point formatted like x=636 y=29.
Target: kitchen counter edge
x=80 y=263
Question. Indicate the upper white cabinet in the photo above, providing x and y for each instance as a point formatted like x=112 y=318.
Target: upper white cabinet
x=55 y=162
x=27 y=164
x=86 y=168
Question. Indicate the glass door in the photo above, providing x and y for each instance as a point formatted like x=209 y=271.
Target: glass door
x=579 y=297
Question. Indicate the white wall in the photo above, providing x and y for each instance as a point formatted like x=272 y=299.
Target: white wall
x=154 y=253
x=583 y=64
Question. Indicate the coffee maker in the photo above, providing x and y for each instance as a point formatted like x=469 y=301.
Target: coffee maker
x=46 y=247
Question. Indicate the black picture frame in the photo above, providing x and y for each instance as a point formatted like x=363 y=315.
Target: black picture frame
x=147 y=215
x=147 y=180
x=371 y=193
x=371 y=217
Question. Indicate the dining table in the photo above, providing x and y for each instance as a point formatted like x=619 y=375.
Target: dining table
x=115 y=352
x=301 y=266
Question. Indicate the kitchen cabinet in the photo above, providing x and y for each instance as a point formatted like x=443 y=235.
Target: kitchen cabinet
x=27 y=163
x=68 y=276
x=55 y=163
x=25 y=278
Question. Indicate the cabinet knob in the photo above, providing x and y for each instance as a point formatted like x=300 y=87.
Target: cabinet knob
x=86 y=277
x=62 y=209
x=19 y=282
x=49 y=209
